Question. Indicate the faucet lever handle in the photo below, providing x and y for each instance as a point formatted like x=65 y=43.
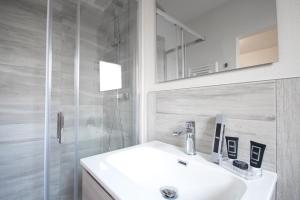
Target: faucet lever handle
x=190 y=126
x=178 y=132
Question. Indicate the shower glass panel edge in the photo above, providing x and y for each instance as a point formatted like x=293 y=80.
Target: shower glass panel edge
x=48 y=88
x=76 y=99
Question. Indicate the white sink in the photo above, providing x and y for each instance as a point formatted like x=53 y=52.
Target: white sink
x=138 y=173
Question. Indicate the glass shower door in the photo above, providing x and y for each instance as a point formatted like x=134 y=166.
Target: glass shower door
x=61 y=155
x=84 y=119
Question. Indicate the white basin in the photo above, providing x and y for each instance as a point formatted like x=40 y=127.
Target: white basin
x=138 y=173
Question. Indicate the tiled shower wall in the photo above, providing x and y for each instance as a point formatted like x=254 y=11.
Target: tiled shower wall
x=22 y=81
x=22 y=91
x=267 y=112
x=99 y=114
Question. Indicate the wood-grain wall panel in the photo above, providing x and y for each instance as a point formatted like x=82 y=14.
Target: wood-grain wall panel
x=250 y=111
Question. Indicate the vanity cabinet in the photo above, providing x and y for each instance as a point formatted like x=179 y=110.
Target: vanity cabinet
x=91 y=189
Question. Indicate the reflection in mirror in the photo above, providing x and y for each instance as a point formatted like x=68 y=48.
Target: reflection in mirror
x=258 y=48
x=197 y=38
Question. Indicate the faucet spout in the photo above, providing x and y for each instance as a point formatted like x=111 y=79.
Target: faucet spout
x=190 y=148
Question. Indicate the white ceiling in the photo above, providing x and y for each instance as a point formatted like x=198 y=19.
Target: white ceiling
x=186 y=10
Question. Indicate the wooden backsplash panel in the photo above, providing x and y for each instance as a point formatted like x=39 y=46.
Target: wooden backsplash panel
x=250 y=111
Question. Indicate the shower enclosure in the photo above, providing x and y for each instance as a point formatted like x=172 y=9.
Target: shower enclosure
x=53 y=107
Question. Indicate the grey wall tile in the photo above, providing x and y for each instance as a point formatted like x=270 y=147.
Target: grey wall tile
x=288 y=149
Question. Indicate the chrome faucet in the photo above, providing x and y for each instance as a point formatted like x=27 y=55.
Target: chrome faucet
x=189 y=130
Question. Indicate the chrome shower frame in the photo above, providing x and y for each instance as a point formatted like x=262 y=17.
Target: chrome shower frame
x=48 y=91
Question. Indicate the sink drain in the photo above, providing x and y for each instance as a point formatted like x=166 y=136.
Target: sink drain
x=168 y=192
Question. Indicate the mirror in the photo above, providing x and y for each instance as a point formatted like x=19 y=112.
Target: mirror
x=196 y=38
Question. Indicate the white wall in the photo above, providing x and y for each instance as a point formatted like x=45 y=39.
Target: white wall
x=223 y=25
x=288 y=14
x=146 y=24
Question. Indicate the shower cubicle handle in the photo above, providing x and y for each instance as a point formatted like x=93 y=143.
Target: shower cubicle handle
x=60 y=126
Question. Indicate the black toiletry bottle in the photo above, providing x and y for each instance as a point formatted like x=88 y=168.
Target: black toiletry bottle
x=256 y=154
x=232 y=144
